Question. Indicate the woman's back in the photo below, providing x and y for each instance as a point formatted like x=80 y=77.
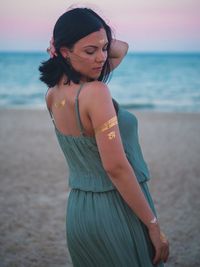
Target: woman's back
x=80 y=150
x=61 y=100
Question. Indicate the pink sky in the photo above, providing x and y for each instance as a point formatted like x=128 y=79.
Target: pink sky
x=146 y=25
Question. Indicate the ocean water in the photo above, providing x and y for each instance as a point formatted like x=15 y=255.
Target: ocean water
x=145 y=81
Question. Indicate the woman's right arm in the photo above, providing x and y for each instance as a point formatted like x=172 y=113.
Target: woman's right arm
x=100 y=111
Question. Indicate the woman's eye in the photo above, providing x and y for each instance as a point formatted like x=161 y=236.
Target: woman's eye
x=89 y=53
x=92 y=52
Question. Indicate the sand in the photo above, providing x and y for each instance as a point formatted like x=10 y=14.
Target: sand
x=33 y=186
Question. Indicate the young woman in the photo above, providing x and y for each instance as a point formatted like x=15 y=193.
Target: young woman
x=111 y=219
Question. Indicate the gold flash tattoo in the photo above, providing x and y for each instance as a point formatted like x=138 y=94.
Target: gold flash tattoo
x=107 y=125
x=101 y=41
x=60 y=104
x=111 y=135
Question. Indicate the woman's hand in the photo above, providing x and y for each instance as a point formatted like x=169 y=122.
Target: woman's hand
x=160 y=243
x=165 y=243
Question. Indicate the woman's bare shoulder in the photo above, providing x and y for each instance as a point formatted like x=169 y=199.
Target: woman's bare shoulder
x=49 y=96
x=97 y=95
x=96 y=89
x=96 y=85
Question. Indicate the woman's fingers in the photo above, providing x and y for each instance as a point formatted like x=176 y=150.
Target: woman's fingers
x=154 y=234
x=160 y=243
x=165 y=249
x=165 y=242
x=161 y=254
x=161 y=246
x=157 y=257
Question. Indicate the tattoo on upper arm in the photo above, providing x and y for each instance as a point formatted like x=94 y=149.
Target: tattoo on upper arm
x=107 y=125
x=111 y=135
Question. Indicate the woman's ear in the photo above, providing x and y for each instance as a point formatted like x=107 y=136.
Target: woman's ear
x=64 y=52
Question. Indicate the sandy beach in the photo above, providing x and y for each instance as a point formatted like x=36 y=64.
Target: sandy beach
x=33 y=186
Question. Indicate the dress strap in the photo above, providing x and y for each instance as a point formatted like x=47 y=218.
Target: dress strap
x=78 y=119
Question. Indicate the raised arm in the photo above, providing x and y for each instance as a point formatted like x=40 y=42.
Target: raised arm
x=117 y=52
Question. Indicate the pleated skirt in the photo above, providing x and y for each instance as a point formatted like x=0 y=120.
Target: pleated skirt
x=103 y=231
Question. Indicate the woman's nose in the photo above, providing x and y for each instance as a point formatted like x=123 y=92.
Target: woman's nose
x=101 y=56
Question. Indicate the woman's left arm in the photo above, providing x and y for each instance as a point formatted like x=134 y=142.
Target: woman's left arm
x=118 y=50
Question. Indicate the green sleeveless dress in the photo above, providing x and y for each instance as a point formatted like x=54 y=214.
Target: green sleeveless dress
x=101 y=229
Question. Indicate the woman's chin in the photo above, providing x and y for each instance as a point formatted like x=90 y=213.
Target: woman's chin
x=90 y=78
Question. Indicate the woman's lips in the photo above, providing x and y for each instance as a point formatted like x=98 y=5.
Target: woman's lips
x=97 y=69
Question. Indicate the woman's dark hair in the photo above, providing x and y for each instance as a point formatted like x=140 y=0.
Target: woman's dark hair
x=70 y=28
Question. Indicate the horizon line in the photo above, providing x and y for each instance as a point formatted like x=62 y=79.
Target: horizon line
x=130 y=51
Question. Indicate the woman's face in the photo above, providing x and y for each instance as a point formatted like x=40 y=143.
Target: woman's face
x=89 y=54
